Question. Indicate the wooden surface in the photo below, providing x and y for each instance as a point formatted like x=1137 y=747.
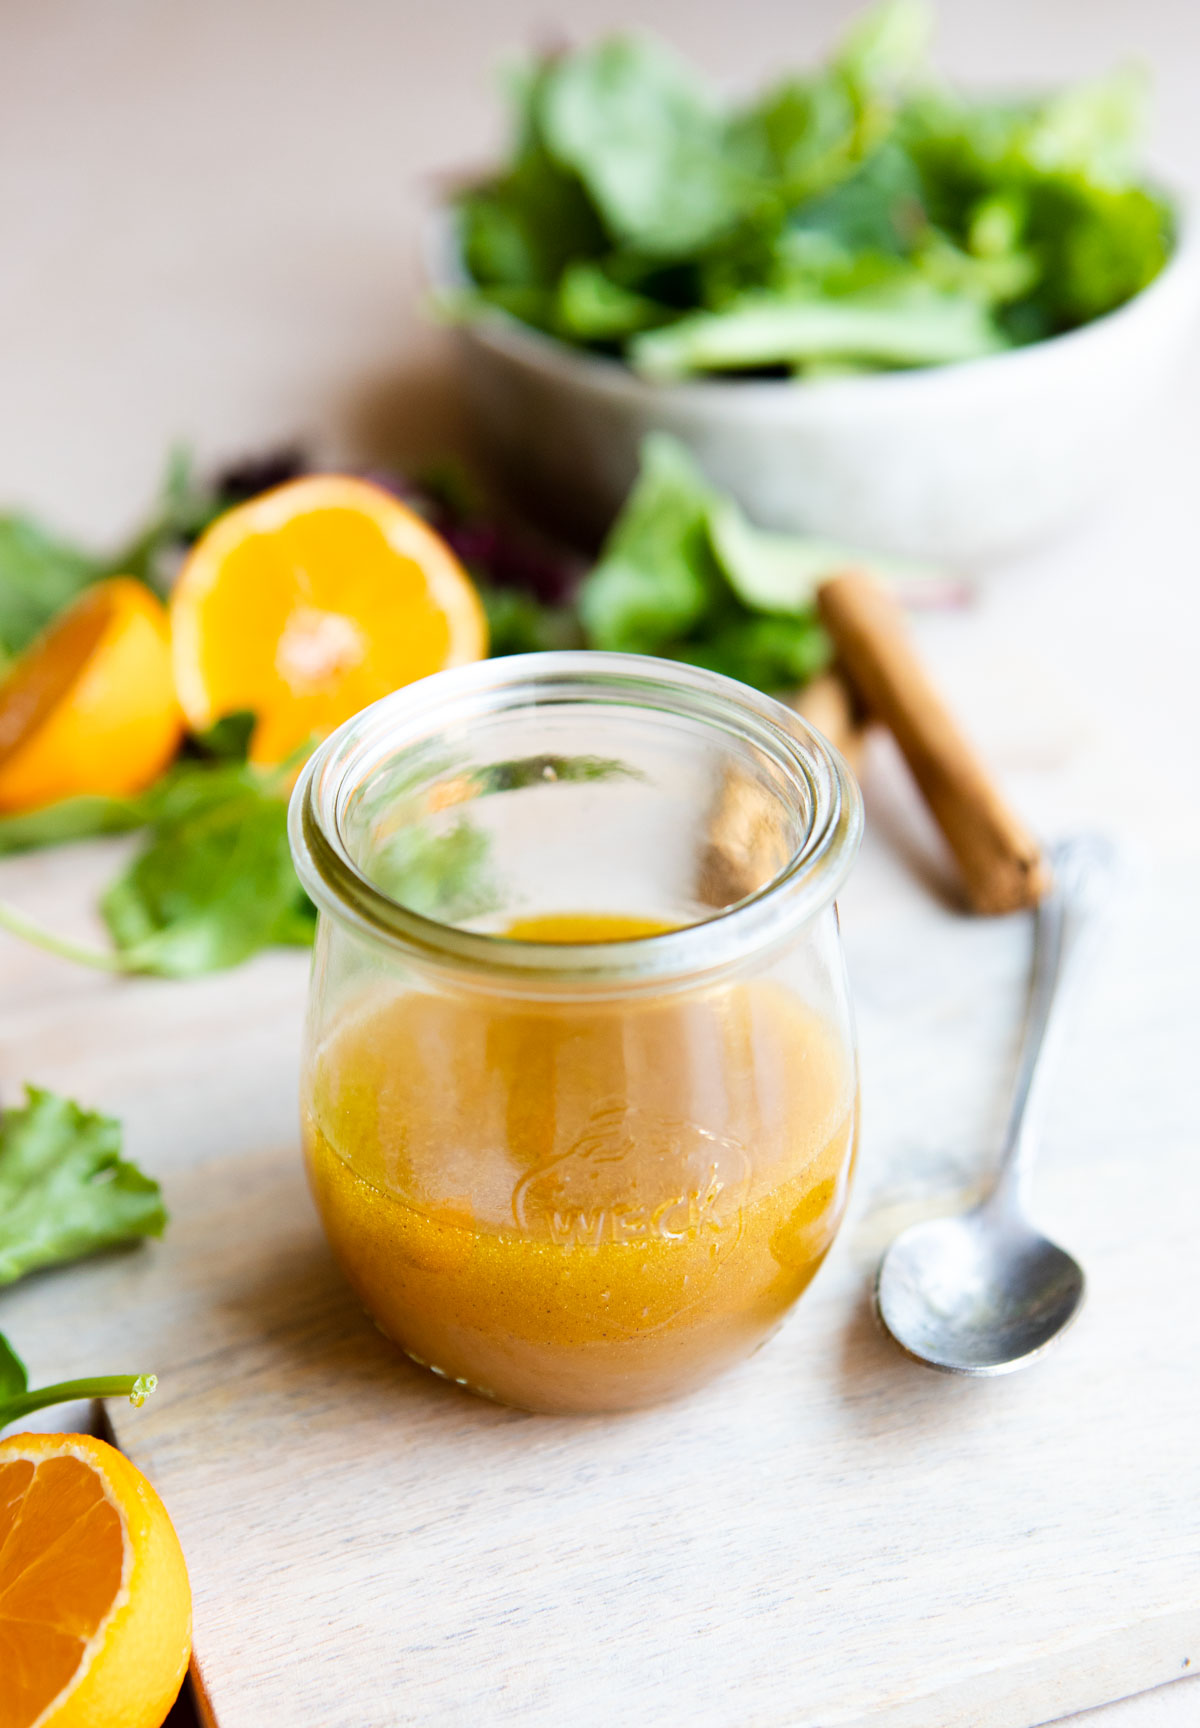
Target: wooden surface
x=210 y=215
x=830 y=1535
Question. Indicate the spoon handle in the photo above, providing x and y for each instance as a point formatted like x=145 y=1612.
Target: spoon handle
x=1084 y=874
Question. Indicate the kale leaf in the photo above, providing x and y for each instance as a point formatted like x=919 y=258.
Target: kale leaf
x=214 y=883
x=65 y=1190
x=918 y=326
x=657 y=580
x=84 y=818
x=685 y=575
x=647 y=142
x=861 y=216
x=39 y=575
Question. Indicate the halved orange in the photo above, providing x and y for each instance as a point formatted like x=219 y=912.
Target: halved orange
x=95 y=1605
x=311 y=601
x=90 y=706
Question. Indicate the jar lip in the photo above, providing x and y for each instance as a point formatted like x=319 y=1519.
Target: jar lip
x=806 y=884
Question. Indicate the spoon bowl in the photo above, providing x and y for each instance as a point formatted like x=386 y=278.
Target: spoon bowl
x=969 y=1298
x=986 y=1293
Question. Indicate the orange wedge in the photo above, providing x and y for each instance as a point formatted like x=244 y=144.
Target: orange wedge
x=95 y=1606
x=90 y=706
x=309 y=602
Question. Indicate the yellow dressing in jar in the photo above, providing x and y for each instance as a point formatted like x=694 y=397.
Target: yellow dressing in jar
x=582 y=1205
x=579 y=1091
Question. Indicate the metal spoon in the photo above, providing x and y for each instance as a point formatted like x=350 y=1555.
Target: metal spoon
x=985 y=1293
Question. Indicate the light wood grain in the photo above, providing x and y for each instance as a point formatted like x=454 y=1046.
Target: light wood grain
x=828 y=1536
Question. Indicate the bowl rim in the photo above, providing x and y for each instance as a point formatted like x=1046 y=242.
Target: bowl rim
x=602 y=374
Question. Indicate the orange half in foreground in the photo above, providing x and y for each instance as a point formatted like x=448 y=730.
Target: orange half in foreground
x=90 y=706
x=311 y=601
x=95 y=1606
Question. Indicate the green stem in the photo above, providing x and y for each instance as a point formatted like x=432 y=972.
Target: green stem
x=30 y=931
x=136 y=1387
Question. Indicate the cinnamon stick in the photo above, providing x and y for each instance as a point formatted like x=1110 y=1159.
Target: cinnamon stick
x=745 y=845
x=829 y=704
x=1002 y=866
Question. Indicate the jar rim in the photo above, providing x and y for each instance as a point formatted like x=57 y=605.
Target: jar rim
x=806 y=884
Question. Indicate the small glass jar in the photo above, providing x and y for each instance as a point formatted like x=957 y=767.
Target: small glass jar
x=579 y=1092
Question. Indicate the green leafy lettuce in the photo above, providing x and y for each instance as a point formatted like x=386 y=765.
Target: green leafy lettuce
x=684 y=574
x=647 y=143
x=913 y=324
x=83 y=818
x=65 y=1190
x=39 y=575
x=212 y=884
x=41 y=572
x=861 y=216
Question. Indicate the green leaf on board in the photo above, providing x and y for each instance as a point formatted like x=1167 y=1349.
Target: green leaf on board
x=83 y=818
x=520 y=624
x=684 y=574
x=214 y=883
x=227 y=739
x=39 y=575
x=65 y=1190
x=656 y=580
x=13 y=1378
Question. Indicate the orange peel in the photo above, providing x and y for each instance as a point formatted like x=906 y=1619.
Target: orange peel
x=90 y=707
x=95 y=1604
x=311 y=601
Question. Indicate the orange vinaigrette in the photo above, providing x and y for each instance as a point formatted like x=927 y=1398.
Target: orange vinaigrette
x=584 y=1205
x=589 y=1167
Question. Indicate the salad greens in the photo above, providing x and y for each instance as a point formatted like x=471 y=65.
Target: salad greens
x=39 y=575
x=83 y=818
x=862 y=216
x=65 y=1190
x=684 y=574
x=41 y=572
x=212 y=884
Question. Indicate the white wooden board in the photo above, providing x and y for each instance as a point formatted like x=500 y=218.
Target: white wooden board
x=828 y=1536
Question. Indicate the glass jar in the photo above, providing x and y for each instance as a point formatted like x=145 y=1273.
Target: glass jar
x=579 y=1092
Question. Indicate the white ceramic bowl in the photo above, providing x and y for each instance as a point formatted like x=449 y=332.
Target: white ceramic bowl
x=958 y=464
